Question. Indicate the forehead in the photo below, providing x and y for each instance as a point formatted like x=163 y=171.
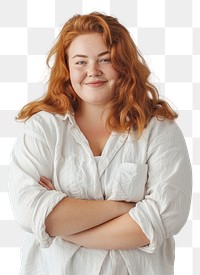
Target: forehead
x=87 y=44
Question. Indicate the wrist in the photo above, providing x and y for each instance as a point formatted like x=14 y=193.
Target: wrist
x=124 y=207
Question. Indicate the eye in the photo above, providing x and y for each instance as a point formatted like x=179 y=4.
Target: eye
x=105 y=60
x=81 y=62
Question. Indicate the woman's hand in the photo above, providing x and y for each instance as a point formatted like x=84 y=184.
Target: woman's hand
x=71 y=215
x=46 y=183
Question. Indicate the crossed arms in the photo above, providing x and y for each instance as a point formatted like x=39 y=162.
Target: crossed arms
x=99 y=224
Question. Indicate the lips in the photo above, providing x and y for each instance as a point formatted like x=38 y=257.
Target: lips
x=96 y=83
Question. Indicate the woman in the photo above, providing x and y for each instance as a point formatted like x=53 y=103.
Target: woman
x=100 y=175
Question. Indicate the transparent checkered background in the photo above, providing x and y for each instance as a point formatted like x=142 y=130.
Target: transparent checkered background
x=168 y=35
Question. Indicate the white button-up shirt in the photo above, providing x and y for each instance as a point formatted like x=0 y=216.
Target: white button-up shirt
x=154 y=171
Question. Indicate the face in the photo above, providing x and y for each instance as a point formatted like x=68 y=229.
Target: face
x=92 y=75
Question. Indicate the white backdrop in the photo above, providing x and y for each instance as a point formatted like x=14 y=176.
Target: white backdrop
x=168 y=35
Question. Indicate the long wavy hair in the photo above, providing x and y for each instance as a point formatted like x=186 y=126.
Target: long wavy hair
x=135 y=101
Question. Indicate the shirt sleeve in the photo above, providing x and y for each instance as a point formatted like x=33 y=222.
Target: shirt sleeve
x=165 y=208
x=31 y=203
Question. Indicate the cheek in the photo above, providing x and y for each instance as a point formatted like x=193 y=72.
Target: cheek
x=114 y=75
x=76 y=76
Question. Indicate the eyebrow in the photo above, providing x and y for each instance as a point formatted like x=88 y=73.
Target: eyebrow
x=85 y=56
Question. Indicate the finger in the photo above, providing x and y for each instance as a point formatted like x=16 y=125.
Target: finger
x=47 y=182
x=44 y=185
x=45 y=179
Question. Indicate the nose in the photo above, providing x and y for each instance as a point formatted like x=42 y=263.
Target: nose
x=94 y=70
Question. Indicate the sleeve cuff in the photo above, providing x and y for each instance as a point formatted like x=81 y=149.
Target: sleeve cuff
x=39 y=229
x=146 y=215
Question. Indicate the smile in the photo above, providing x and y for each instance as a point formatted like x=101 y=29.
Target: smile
x=95 y=83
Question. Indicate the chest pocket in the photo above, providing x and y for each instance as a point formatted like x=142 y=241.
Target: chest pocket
x=128 y=182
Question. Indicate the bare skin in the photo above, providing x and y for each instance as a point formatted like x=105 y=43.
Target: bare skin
x=94 y=224
x=81 y=214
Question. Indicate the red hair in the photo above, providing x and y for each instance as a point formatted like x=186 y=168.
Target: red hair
x=135 y=101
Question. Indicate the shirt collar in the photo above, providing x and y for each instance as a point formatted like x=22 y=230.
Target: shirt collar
x=68 y=115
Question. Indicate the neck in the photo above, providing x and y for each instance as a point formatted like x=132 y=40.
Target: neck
x=94 y=116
